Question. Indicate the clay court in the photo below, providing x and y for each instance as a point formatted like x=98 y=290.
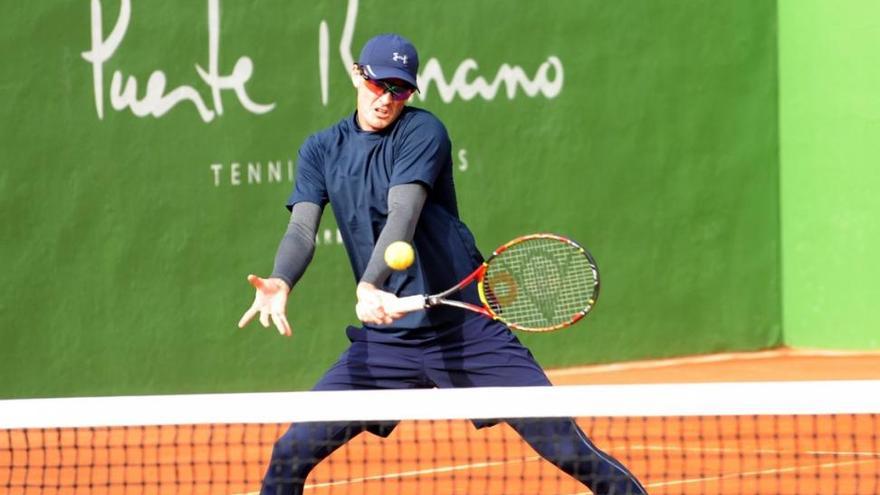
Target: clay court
x=784 y=454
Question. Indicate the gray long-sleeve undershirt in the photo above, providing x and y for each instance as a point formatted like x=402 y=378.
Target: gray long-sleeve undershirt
x=298 y=244
x=297 y=247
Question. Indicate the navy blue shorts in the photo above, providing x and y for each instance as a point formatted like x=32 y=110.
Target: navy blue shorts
x=478 y=352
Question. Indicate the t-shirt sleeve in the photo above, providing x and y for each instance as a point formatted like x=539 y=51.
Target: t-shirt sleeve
x=309 y=185
x=424 y=152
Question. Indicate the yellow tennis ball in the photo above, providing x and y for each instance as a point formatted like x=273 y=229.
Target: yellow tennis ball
x=399 y=255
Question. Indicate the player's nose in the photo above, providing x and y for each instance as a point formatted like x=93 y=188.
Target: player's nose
x=385 y=99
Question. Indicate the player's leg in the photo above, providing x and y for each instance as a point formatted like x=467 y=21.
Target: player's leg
x=562 y=442
x=363 y=366
x=299 y=450
x=486 y=354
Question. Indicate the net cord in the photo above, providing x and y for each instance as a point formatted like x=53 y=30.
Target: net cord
x=698 y=399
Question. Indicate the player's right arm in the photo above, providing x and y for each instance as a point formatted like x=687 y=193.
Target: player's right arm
x=294 y=254
x=405 y=202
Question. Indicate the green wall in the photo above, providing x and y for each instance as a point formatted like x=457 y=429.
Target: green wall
x=132 y=214
x=830 y=153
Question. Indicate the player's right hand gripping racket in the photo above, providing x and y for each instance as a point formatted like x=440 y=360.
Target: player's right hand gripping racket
x=534 y=283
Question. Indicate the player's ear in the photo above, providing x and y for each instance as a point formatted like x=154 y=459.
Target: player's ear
x=355 y=75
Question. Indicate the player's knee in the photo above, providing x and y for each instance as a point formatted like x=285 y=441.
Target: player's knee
x=292 y=459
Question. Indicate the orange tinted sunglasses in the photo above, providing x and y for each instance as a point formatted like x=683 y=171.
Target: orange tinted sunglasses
x=379 y=87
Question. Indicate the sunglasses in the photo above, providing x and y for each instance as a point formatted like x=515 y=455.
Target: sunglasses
x=379 y=87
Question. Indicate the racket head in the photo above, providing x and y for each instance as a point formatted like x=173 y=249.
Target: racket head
x=539 y=283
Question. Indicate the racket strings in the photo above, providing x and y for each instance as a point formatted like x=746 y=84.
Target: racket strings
x=540 y=283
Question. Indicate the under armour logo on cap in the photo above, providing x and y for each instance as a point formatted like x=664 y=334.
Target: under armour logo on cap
x=399 y=58
x=390 y=56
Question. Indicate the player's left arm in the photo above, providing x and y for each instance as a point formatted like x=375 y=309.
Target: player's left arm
x=294 y=254
x=405 y=203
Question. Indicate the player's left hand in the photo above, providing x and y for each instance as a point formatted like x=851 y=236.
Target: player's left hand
x=370 y=307
x=270 y=302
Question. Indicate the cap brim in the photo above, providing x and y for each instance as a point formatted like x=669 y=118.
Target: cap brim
x=383 y=72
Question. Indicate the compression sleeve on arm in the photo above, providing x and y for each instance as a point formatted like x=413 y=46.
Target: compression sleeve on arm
x=298 y=244
x=405 y=202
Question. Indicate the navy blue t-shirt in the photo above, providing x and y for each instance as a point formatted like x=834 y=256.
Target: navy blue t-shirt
x=353 y=170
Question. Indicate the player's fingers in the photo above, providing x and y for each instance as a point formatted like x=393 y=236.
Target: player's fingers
x=366 y=313
x=383 y=317
x=247 y=317
x=281 y=324
x=264 y=319
x=386 y=318
x=288 y=331
x=378 y=312
x=379 y=316
x=386 y=302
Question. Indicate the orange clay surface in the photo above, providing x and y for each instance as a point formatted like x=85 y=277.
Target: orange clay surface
x=693 y=455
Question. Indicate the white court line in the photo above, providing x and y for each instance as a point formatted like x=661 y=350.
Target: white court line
x=715 y=450
x=483 y=465
x=415 y=473
x=749 y=474
x=421 y=472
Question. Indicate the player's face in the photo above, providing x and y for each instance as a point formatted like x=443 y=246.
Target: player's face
x=379 y=103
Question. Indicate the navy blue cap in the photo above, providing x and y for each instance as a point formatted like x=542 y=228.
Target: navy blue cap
x=390 y=56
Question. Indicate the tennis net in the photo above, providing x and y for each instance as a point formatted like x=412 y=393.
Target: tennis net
x=717 y=438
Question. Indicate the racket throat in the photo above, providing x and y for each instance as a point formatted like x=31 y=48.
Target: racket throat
x=433 y=301
x=436 y=300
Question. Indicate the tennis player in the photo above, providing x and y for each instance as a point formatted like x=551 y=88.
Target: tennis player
x=386 y=170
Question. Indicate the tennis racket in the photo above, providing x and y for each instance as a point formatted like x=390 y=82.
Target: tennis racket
x=534 y=283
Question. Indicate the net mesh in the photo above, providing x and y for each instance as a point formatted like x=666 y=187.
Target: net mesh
x=775 y=443
x=542 y=282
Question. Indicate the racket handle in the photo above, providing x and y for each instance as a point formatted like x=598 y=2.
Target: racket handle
x=407 y=304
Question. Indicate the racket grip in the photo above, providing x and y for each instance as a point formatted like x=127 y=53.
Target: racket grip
x=407 y=304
